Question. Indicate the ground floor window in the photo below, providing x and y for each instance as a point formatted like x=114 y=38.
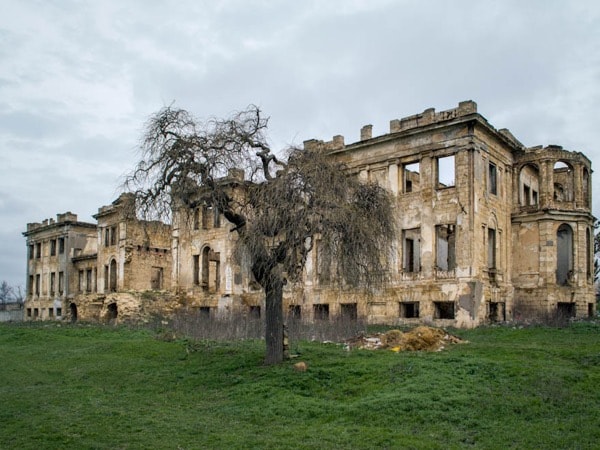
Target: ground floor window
x=349 y=311
x=497 y=311
x=409 y=310
x=321 y=311
x=565 y=310
x=443 y=310
x=295 y=312
x=254 y=312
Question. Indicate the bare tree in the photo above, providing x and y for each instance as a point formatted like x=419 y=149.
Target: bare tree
x=278 y=207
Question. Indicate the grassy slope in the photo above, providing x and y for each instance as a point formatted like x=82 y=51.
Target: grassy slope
x=91 y=387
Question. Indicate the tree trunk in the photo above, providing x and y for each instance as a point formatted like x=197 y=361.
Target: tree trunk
x=274 y=319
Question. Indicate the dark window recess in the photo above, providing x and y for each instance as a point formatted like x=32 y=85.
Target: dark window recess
x=349 y=311
x=409 y=310
x=443 y=310
x=492 y=179
x=254 y=312
x=295 y=312
x=321 y=311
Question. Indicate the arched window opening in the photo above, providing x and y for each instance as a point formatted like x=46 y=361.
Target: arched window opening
x=529 y=185
x=211 y=266
x=564 y=255
x=563 y=182
x=113 y=276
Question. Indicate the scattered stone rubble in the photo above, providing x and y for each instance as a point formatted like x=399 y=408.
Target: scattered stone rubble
x=421 y=338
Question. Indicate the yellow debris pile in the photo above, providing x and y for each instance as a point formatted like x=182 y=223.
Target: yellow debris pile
x=421 y=338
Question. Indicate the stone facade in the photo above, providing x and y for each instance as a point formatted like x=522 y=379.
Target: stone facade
x=488 y=230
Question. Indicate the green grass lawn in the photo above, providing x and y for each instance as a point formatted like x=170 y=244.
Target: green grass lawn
x=88 y=387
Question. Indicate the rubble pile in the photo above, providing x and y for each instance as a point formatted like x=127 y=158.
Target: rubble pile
x=421 y=338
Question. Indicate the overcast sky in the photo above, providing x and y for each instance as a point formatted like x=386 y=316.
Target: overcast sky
x=78 y=79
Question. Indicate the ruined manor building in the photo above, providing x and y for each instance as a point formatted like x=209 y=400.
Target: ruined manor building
x=488 y=230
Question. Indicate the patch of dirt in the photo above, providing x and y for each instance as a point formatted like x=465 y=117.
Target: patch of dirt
x=422 y=338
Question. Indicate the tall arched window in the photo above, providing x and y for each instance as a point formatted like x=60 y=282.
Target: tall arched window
x=564 y=254
x=529 y=185
x=113 y=276
x=563 y=182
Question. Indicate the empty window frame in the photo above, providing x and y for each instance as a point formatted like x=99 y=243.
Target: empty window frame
x=411 y=177
x=492 y=179
x=443 y=310
x=30 y=252
x=321 y=311
x=61 y=282
x=411 y=250
x=81 y=284
x=563 y=182
x=156 y=278
x=254 y=312
x=88 y=280
x=61 y=245
x=38 y=280
x=211 y=268
x=113 y=235
x=445 y=172
x=196 y=269
x=491 y=248
x=349 y=311
x=53 y=247
x=409 y=310
x=295 y=312
x=38 y=250
x=52 y=283
x=446 y=247
x=564 y=254
x=58 y=312
x=197 y=218
x=529 y=185
x=30 y=286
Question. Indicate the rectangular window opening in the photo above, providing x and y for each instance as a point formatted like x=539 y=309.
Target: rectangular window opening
x=156 y=278
x=443 y=310
x=349 y=311
x=411 y=250
x=445 y=172
x=491 y=248
x=295 y=312
x=412 y=177
x=196 y=270
x=53 y=247
x=446 y=247
x=409 y=310
x=497 y=311
x=492 y=179
x=321 y=311
x=61 y=246
x=254 y=312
